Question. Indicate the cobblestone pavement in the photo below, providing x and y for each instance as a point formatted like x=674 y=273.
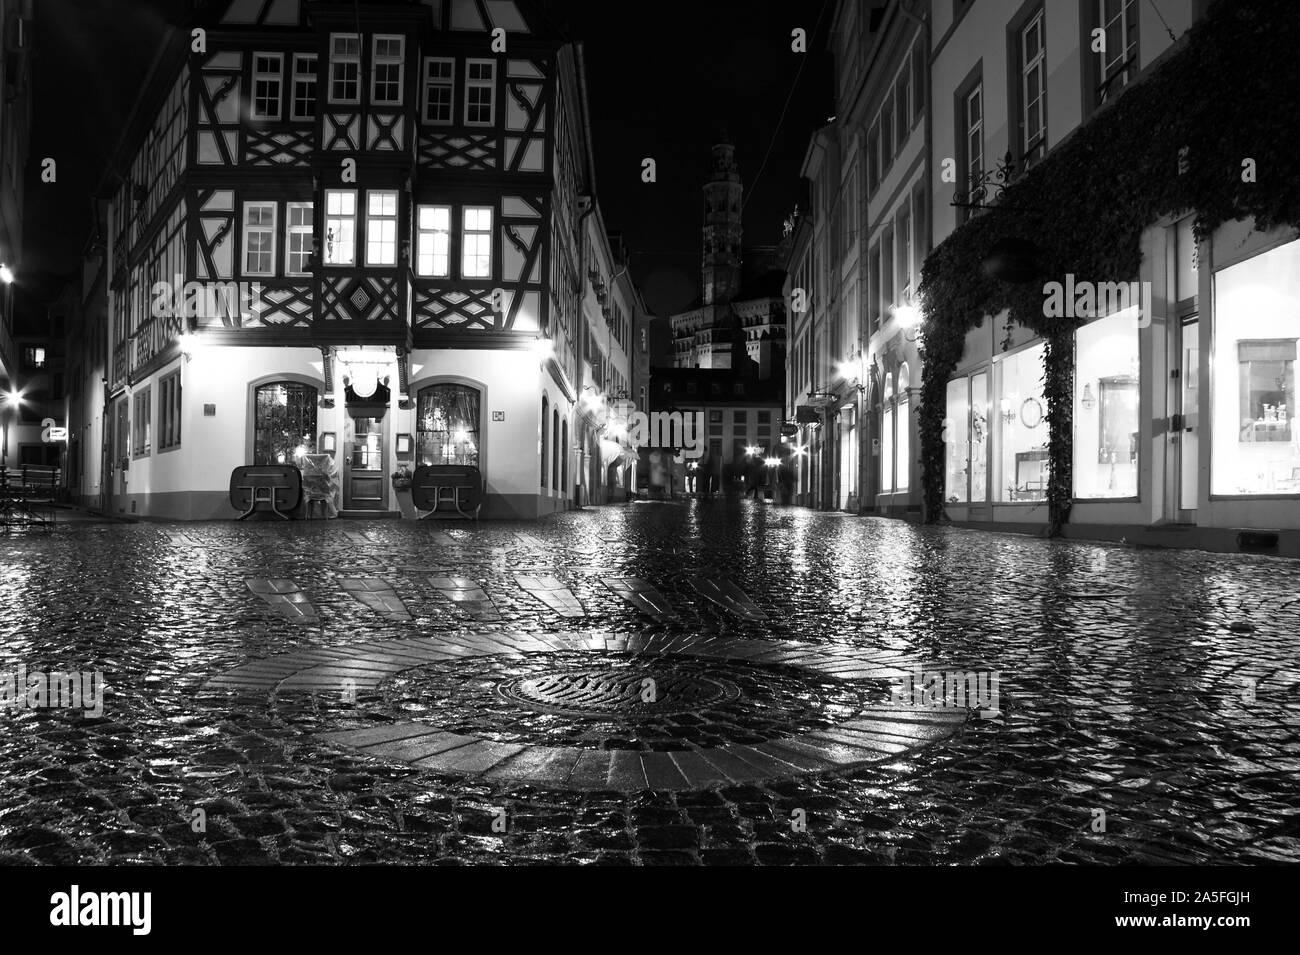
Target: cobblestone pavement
x=1152 y=690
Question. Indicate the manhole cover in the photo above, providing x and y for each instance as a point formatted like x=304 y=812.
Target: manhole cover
x=628 y=692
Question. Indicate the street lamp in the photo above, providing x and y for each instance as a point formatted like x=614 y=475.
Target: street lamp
x=6 y=274
x=908 y=317
x=753 y=451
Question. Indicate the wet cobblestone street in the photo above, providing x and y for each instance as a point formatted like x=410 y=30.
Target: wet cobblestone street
x=1158 y=688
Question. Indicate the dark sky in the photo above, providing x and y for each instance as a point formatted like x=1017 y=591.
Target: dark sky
x=665 y=79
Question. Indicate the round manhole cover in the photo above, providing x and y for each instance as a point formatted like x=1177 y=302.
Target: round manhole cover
x=626 y=692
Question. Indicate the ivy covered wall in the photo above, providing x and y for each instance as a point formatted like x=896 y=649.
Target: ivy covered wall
x=1175 y=142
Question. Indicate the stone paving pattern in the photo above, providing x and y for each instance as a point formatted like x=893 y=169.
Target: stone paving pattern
x=1158 y=686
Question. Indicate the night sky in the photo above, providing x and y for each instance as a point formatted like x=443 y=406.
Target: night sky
x=665 y=80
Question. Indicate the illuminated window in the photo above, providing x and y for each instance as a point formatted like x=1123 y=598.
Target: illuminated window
x=1255 y=439
x=476 y=243
x=447 y=420
x=381 y=227
x=284 y=422
x=299 y=220
x=340 y=227
x=1022 y=419
x=259 y=238
x=433 y=244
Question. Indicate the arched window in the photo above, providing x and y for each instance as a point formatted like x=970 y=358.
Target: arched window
x=447 y=421
x=555 y=450
x=546 y=425
x=564 y=461
x=903 y=427
x=887 y=438
x=284 y=422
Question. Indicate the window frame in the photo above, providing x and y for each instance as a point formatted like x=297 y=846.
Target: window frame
x=387 y=60
x=374 y=219
x=337 y=59
x=429 y=83
x=270 y=230
x=142 y=423
x=421 y=233
x=466 y=232
x=169 y=411
x=473 y=84
x=1032 y=15
x=354 y=218
x=291 y=230
x=300 y=77
x=264 y=76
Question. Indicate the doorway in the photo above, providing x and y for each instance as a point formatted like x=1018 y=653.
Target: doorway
x=117 y=451
x=365 y=485
x=1184 y=422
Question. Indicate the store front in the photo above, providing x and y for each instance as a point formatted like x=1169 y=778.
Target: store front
x=1146 y=378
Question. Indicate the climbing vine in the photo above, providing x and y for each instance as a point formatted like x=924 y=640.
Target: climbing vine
x=1184 y=139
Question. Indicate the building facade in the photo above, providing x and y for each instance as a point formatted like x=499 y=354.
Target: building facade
x=1174 y=419
x=869 y=175
x=803 y=424
x=355 y=240
x=17 y=33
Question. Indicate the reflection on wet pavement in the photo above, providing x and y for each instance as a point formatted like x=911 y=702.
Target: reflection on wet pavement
x=1157 y=687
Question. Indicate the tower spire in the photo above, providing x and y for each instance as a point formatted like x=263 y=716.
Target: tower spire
x=722 y=229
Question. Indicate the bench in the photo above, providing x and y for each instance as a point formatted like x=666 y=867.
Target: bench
x=276 y=486
x=460 y=486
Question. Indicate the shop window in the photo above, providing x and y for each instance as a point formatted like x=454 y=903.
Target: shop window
x=1255 y=440
x=1106 y=421
x=1022 y=423
x=956 y=442
x=447 y=422
x=887 y=438
x=284 y=422
x=903 y=426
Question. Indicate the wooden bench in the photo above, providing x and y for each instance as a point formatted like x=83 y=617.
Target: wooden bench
x=436 y=485
x=274 y=487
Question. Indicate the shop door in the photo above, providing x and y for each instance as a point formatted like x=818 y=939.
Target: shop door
x=119 y=456
x=365 y=486
x=1184 y=424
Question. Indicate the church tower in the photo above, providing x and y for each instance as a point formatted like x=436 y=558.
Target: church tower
x=722 y=196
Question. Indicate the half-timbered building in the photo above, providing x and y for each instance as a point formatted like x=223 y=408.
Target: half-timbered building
x=350 y=234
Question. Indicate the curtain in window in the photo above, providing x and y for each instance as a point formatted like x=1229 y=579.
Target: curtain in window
x=447 y=419
x=284 y=422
